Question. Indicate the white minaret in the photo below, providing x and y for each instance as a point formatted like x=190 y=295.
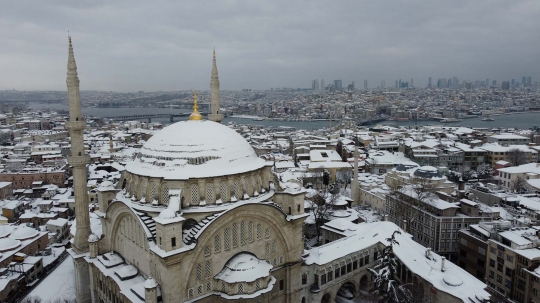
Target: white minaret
x=355 y=190
x=214 y=114
x=78 y=159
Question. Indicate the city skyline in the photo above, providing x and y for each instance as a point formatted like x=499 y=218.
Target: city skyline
x=136 y=46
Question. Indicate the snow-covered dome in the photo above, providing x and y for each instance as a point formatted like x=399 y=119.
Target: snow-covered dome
x=93 y=238
x=167 y=214
x=24 y=232
x=427 y=172
x=405 y=166
x=244 y=267
x=9 y=244
x=150 y=283
x=452 y=280
x=195 y=149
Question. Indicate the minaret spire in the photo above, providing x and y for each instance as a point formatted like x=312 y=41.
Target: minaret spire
x=214 y=115
x=78 y=159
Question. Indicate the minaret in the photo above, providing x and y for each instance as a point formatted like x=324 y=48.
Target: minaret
x=78 y=159
x=214 y=94
x=355 y=190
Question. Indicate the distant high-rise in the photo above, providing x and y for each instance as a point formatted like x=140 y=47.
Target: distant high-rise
x=523 y=81
x=505 y=85
x=429 y=83
x=322 y=85
x=529 y=81
x=513 y=82
x=494 y=83
x=338 y=84
x=412 y=85
x=365 y=84
x=315 y=84
x=455 y=82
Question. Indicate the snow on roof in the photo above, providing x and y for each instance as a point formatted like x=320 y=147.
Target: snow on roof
x=244 y=267
x=59 y=284
x=173 y=152
x=410 y=253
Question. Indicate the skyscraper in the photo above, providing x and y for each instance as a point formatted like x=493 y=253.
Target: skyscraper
x=338 y=84
x=505 y=85
x=315 y=84
x=529 y=81
x=523 y=81
x=365 y=84
x=322 y=85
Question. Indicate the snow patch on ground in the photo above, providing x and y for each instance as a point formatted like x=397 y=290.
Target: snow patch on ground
x=59 y=284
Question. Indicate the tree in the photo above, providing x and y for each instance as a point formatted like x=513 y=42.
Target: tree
x=409 y=200
x=385 y=272
x=519 y=185
x=517 y=157
x=470 y=174
x=321 y=206
x=343 y=177
x=485 y=171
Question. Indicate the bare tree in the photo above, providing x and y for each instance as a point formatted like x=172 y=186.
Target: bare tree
x=343 y=177
x=409 y=199
x=517 y=157
x=321 y=206
x=485 y=171
x=519 y=185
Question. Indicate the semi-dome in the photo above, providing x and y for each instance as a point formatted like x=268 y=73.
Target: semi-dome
x=195 y=149
x=9 y=244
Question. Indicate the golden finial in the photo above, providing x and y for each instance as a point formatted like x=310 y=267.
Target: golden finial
x=195 y=115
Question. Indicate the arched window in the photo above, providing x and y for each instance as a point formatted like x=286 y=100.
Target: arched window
x=208 y=269
x=259 y=231
x=223 y=192
x=143 y=190
x=267 y=233
x=199 y=271
x=250 y=231
x=237 y=192
x=209 y=193
x=274 y=247
x=217 y=244
x=242 y=233
x=165 y=194
x=235 y=235
x=153 y=192
x=303 y=299
x=226 y=239
x=195 y=194
x=267 y=248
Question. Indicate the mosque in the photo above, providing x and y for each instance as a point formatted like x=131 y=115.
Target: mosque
x=197 y=216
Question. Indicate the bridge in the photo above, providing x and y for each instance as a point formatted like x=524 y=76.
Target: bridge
x=149 y=117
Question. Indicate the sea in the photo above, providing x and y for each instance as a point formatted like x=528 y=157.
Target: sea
x=526 y=120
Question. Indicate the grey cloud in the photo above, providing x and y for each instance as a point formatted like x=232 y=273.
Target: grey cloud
x=167 y=45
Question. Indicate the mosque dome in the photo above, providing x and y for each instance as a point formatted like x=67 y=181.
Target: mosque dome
x=195 y=149
x=24 y=232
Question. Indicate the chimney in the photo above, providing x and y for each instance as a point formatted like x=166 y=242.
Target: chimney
x=385 y=218
x=405 y=225
x=442 y=264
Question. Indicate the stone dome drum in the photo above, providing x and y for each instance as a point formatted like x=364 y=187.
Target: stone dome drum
x=195 y=149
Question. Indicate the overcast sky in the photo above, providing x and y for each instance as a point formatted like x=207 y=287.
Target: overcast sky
x=167 y=45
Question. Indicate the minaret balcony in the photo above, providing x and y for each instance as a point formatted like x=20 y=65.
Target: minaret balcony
x=76 y=125
x=78 y=160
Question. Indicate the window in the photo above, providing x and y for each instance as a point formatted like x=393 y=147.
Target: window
x=194 y=194
x=240 y=288
x=366 y=260
x=508 y=272
x=235 y=235
x=354 y=265
x=499 y=267
x=336 y=272
x=190 y=293
x=226 y=239
x=207 y=250
x=257 y=285
x=480 y=262
x=482 y=251
x=323 y=280
x=259 y=232
x=267 y=248
x=280 y=259
x=223 y=190
x=499 y=279
x=250 y=231
x=222 y=286
x=281 y=285
x=165 y=194
x=349 y=267
x=343 y=270
x=207 y=269
x=209 y=193
x=267 y=233
x=463 y=253
x=329 y=275
x=199 y=271
x=173 y=241
x=491 y=263
x=510 y=258
x=217 y=244
x=208 y=286
x=304 y=279
x=274 y=247
x=242 y=233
